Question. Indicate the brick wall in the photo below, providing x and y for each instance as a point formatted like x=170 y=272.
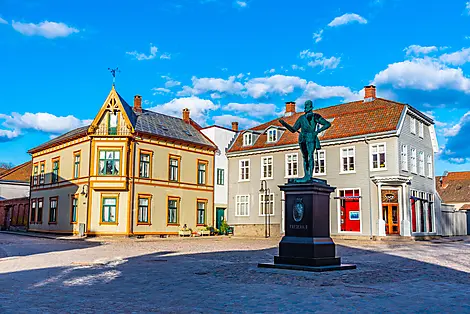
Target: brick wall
x=14 y=213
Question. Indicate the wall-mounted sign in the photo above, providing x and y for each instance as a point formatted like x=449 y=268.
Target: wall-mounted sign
x=389 y=196
x=353 y=215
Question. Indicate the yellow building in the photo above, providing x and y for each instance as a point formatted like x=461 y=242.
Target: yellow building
x=131 y=172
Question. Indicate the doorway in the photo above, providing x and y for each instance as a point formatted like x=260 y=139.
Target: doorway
x=392 y=219
x=219 y=217
x=6 y=219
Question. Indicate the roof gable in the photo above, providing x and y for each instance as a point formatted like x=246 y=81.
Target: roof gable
x=20 y=173
x=454 y=187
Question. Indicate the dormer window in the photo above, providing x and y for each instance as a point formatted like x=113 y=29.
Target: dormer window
x=272 y=135
x=247 y=139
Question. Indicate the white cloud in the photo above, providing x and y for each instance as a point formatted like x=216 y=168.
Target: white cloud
x=227 y=119
x=467 y=7
x=270 y=71
x=45 y=29
x=42 y=121
x=318 y=59
x=240 y=76
x=241 y=4
x=456 y=58
x=142 y=56
x=207 y=84
x=346 y=19
x=423 y=74
x=318 y=36
x=160 y=91
x=216 y=96
x=172 y=83
x=258 y=109
x=279 y=84
x=199 y=108
x=166 y=56
x=315 y=91
x=417 y=49
x=2 y=21
x=8 y=135
x=296 y=67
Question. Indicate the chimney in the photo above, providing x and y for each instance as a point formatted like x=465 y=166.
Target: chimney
x=235 y=126
x=290 y=108
x=138 y=103
x=369 y=92
x=186 y=115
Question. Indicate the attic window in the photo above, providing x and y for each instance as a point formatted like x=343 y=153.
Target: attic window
x=368 y=99
x=187 y=133
x=247 y=139
x=272 y=135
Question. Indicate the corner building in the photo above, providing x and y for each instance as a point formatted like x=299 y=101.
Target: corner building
x=131 y=172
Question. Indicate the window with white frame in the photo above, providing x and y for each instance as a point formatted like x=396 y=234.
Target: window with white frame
x=404 y=157
x=378 y=156
x=244 y=170
x=412 y=125
x=348 y=159
x=267 y=167
x=292 y=165
x=413 y=160
x=421 y=163
x=266 y=204
x=247 y=139
x=320 y=162
x=242 y=205
x=272 y=135
x=429 y=163
x=421 y=129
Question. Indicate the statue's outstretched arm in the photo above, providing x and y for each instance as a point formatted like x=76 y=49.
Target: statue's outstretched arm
x=292 y=129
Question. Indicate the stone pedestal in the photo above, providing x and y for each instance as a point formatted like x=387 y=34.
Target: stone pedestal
x=307 y=244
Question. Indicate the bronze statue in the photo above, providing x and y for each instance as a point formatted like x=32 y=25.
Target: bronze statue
x=308 y=138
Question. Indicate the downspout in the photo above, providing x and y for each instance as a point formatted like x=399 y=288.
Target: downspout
x=370 y=189
x=89 y=181
x=131 y=231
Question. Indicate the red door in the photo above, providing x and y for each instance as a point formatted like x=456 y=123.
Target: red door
x=350 y=211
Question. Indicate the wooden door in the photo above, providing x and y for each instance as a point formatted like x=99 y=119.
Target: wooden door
x=392 y=219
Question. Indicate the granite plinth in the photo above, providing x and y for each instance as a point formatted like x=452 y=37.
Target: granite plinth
x=316 y=269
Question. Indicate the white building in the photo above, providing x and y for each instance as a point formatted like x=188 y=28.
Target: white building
x=222 y=138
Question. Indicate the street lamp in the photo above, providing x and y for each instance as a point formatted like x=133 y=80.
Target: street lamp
x=267 y=218
x=84 y=190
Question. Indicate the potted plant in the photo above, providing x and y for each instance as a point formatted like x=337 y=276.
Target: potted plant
x=224 y=227
x=185 y=231
x=204 y=231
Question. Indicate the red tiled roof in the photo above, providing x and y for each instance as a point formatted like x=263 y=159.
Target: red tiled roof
x=19 y=173
x=455 y=187
x=350 y=119
x=465 y=206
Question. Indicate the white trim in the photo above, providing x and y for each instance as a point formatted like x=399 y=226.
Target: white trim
x=404 y=159
x=315 y=174
x=378 y=159
x=286 y=175
x=414 y=169
x=341 y=171
x=421 y=129
x=421 y=164
x=260 y=204
x=247 y=202
x=276 y=132
x=429 y=166
x=262 y=168
x=338 y=211
x=245 y=137
x=240 y=170
x=413 y=125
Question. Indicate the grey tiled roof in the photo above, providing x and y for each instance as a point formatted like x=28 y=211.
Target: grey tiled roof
x=130 y=113
x=170 y=127
x=81 y=131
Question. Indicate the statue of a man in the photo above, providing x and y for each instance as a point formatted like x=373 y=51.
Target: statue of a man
x=308 y=138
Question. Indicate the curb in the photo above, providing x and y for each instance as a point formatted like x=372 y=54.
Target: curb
x=42 y=236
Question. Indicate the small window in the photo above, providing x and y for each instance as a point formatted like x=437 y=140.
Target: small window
x=109 y=209
x=33 y=211
x=272 y=135
x=35 y=175
x=242 y=206
x=413 y=160
x=421 y=164
x=109 y=162
x=348 y=160
x=247 y=139
x=112 y=123
x=267 y=167
x=53 y=210
x=76 y=166
x=220 y=176
x=421 y=129
x=40 y=207
x=174 y=169
x=320 y=163
x=144 y=210
x=173 y=205
x=404 y=157
x=73 y=214
x=144 y=168
x=292 y=165
x=266 y=204
x=429 y=163
x=201 y=172
x=378 y=152
x=244 y=170
x=412 y=125
x=55 y=171
x=42 y=173
x=201 y=212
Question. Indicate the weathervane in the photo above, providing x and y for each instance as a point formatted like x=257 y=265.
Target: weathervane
x=113 y=73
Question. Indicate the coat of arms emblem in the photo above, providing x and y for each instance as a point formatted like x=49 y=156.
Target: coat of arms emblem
x=298 y=210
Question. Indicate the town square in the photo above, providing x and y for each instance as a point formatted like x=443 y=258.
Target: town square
x=219 y=156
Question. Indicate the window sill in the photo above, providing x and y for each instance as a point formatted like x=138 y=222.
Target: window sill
x=200 y=225
x=291 y=177
x=348 y=172
x=144 y=224
x=242 y=215
x=173 y=225
x=266 y=215
x=267 y=179
x=52 y=223
x=378 y=169
x=108 y=223
x=243 y=180
x=319 y=174
x=73 y=223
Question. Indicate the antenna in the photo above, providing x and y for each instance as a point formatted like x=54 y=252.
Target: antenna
x=113 y=73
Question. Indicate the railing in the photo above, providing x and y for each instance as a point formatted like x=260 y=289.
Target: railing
x=117 y=131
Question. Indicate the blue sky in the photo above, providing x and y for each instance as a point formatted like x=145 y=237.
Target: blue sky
x=230 y=60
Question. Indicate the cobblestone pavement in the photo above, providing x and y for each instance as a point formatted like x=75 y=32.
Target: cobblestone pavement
x=219 y=275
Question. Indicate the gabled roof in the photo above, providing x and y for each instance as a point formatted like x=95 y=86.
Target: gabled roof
x=454 y=187
x=350 y=119
x=71 y=135
x=21 y=173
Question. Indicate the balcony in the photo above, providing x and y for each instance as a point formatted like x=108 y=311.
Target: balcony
x=121 y=130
